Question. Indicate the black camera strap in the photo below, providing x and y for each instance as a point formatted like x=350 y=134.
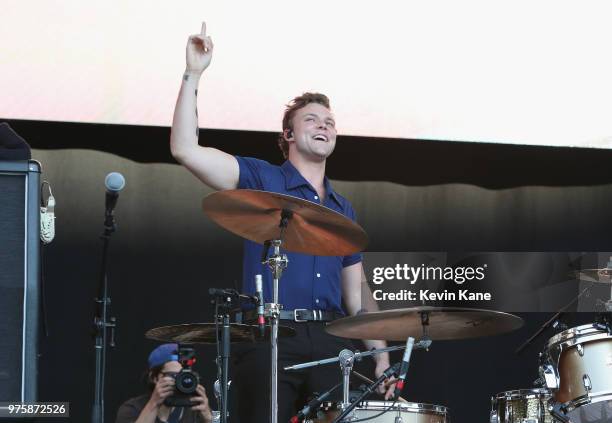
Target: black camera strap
x=175 y=415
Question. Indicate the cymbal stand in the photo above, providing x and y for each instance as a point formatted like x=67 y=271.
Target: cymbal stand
x=608 y=273
x=277 y=263
x=223 y=306
x=425 y=340
x=346 y=358
x=603 y=275
x=553 y=319
x=358 y=355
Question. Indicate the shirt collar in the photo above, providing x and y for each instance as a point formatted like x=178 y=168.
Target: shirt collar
x=294 y=179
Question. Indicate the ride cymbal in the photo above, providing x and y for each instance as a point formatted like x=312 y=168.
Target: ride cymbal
x=603 y=275
x=205 y=333
x=438 y=323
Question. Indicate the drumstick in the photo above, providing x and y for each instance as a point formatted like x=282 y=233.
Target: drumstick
x=366 y=379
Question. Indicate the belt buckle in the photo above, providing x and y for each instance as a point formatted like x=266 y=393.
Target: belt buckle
x=295 y=312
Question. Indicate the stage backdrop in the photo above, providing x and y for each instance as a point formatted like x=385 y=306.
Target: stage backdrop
x=166 y=254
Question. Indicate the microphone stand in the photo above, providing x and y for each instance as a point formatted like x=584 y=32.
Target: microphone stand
x=553 y=319
x=224 y=300
x=312 y=405
x=393 y=370
x=102 y=322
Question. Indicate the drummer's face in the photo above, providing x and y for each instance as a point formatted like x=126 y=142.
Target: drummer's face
x=314 y=132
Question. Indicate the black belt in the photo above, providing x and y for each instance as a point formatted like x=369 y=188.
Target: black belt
x=298 y=315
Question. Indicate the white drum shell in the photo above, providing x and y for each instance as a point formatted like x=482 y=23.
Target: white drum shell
x=409 y=412
x=581 y=359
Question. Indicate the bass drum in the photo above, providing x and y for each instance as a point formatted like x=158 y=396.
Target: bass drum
x=409 y=412
x=521 y=406
x=578 y=371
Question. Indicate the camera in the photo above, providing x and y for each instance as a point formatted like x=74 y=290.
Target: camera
x=186 y=381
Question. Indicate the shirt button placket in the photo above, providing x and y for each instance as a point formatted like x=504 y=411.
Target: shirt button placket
x=318 y=275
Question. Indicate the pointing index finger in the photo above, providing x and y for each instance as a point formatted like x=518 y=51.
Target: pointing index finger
x=203 y=31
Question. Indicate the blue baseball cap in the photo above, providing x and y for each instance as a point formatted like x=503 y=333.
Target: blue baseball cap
x=163 y=354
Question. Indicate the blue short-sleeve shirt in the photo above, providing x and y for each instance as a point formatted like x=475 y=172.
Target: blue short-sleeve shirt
x=310 y=282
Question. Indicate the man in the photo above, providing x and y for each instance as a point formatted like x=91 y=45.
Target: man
x=310 y=283
x=150 y=408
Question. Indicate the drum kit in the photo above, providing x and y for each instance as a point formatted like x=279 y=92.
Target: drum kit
x=575 y=367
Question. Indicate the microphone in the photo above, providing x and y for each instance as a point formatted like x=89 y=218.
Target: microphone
x=47 y=218
x=114 y=183
x=232 y=294
x=404 y=367
x=261 y=320
x=304 y=412
x=218 y=292
x=391 y=371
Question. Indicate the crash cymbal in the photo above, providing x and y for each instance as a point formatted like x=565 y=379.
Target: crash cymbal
x=204 y=333
x=444 y=323
x=312 y=228
x=596 y=275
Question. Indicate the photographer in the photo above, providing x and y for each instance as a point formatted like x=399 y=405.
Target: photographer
x=164 y=365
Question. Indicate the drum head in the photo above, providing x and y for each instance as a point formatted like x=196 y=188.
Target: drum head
x=600 y=412
x=413 y=407
x=409 y=412
x=584 y=333
x=523 y=393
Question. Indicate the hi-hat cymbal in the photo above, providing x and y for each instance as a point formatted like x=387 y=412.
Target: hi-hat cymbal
x=596 y=275
x=312 y=228
x=204 y=333
x=443 y=323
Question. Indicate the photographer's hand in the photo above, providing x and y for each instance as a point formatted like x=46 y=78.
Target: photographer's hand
x=163 y=389
x=201 y=404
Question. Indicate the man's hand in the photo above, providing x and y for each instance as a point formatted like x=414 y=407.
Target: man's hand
x=387 y=388
x=199 y=51
x=163 y=389
x=201 y=404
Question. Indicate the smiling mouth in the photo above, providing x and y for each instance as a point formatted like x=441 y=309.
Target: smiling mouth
x=320 y=138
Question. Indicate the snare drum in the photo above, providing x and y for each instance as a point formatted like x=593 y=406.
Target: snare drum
x=521 y=406
x=409 y=412
x=577 y=369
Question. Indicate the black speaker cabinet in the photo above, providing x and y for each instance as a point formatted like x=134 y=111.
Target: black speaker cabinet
x=19 y=279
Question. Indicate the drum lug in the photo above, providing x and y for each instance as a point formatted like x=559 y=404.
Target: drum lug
x=580 y=349
x=547 y=372
x=586 y=381
x=494 y=418
x=558 y=412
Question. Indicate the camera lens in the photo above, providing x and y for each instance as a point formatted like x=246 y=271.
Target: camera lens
x=187 y=381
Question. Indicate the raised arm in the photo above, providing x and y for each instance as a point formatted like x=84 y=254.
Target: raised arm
x=214 y=167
